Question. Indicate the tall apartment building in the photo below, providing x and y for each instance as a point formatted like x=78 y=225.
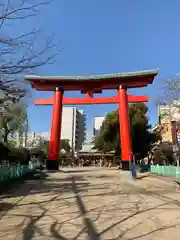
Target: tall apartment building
x=73 y=127
x=97 y=123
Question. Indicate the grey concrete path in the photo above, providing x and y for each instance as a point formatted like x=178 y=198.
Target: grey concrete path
x=91 y=203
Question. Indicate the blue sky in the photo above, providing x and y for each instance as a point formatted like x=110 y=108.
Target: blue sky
x=103 y=36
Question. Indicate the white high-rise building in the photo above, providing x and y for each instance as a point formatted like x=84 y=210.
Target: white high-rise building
x=97 y=123
x=73 y=127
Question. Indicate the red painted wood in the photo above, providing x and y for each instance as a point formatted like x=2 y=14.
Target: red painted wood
x=125 y=137
x=46 y=86
x=133 y=80
x=54 y=147
x=91 y=100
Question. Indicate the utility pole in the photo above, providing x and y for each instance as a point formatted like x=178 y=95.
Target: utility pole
x=72 y=143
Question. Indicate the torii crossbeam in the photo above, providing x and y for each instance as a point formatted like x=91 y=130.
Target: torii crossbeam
x=91 y=100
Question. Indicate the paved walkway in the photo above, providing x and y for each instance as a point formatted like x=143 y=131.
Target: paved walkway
x=91 y=203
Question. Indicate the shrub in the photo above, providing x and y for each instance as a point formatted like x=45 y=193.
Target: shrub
x=39 y=153
x=4 y=152
x=164 y=154
x=19 y=155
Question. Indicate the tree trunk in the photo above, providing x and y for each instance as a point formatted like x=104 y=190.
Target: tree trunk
x=5 y=138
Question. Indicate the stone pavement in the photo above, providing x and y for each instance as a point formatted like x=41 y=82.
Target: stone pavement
x=91 y=203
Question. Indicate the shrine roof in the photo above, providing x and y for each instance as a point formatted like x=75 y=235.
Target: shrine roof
x=105 y=81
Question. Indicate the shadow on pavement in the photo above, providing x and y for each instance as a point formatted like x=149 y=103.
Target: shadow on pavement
x=4 y=207
x=142 y=176
x=14 y=184
x=91 y=230
x=81 y=188
x=76 y=170
x=40 y=183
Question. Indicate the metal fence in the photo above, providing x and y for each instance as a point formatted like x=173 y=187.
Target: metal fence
x=167 y=171
x=15 y=171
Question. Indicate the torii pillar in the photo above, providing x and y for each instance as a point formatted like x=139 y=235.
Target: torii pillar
x=55 y=136
x=125 y=135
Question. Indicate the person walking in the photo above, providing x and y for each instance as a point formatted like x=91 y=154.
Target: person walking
x=101 y=162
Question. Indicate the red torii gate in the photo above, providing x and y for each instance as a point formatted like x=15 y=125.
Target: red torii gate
x=91 y=85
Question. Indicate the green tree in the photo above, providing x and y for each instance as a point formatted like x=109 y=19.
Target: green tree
x=45 y=147
x=12 y=120
x=65 y=145
x=142 y=138
x=108 y=138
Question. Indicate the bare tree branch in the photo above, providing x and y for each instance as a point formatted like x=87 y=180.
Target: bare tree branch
x=170 y=93
x=170 y=99
x=21 y=54
x=23 y=9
